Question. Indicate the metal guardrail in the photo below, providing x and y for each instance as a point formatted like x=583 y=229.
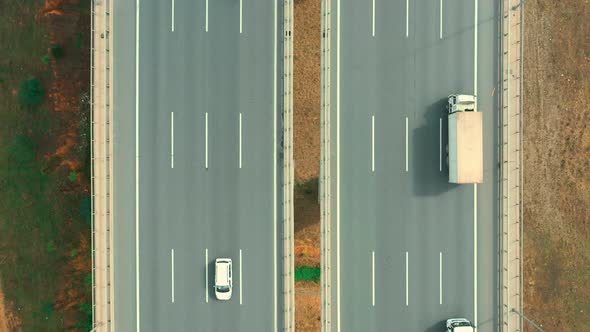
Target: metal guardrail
x=511 y=170
x=92 y=247
x=288 y=171
x=325 y=176
x=101 y=161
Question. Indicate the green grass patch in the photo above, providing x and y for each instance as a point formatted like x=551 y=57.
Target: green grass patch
x=31 y=92
x=307 y=273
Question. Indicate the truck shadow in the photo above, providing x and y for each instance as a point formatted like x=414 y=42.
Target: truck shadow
x=440 y=326
x=428 y=160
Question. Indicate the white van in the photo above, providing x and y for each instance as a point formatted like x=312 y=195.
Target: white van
x=223 y=282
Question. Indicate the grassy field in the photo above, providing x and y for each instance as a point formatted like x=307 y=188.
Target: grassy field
x=557 y=165
x=44 y=231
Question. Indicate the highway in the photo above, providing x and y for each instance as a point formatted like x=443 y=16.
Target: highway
x=197 y=131
x=408 y=249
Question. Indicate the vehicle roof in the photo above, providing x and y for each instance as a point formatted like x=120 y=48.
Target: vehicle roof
x=222 y=267
x=465 y=98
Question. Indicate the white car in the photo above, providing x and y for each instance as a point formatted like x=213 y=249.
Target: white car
x=223 y=282
x=459 y=325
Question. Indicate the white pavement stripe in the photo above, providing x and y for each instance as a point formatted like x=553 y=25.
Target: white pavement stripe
x=137 y=298
x=373 y=18
x=338 y=166
x=440 y=277
x=407 y=143
x=407 y=18
x=172 y=24
x=206 y=140
x=206 y=275
x=171 y=139
x=475 y=254
x=440 y=144
x=441 y=20
x=373 y=277
x=241 y=284
x=274 y=170
x=241 y=5
x=475 y=22
x=172 y=272
x=206 y=15
x=373 y=143
x=240 y=149
x=407 y=280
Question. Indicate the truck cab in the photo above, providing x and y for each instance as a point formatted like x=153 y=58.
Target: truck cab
x=461 y=103
x=459 y=325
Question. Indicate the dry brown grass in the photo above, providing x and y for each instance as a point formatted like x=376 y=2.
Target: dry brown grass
x=306 y=121
x=306 y=84
x=307 y=303
x=557 y=164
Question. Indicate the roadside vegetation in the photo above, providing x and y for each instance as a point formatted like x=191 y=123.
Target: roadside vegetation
x=557 y=165
x=44 y=165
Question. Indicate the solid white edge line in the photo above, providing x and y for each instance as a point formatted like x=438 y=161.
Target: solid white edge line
x=373 y=143
x=441 y=20
x=241 y=15
x=407 y=280
x=241 y=284
x=373 y=18
x=475 y=254
x=440 y=144
x=206 y=275
x=274 y=132
x=475 y=23
x=338 y=165
x=240 y=149
x=137 y=299
x=440 y=277
x=373 y=277
x=407 y=18
x=172 y=24
x=206 y=15
x=172 y=272
x=206 y=140
x=171 y=139
x=407 y=144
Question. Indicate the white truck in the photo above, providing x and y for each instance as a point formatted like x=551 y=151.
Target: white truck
x=459 y=325
x=465 y=147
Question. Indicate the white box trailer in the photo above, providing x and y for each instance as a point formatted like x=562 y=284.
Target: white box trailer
x=465 y=147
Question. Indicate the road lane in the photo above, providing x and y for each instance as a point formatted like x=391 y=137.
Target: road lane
x=185 y=75
x=397 y=78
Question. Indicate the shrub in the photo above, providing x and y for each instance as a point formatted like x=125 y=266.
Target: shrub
x=45 y=59
x=57 y=51
x=73 y=176
x=31 y=92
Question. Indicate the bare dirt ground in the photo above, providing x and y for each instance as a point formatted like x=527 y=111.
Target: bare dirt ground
x=557 y=164
x=306 y=121
x=7 y=319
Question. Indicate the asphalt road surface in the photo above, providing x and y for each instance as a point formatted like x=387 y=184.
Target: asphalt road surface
x=410 y=250
x=196 y=139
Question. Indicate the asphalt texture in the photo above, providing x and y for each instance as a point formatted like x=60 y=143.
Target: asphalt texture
x=188 y=207
x=381 y=206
